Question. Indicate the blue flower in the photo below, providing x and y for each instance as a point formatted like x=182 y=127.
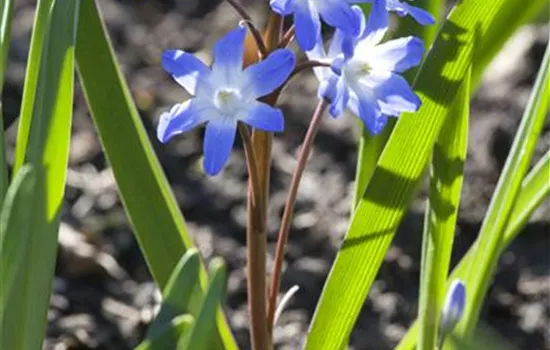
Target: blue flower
x=453 y=307
x=363 y=75
x=379 y=15
x=336 y=13
x=224 y=95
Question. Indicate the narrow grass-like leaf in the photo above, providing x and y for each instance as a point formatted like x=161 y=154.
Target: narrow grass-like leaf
x=47 y=150
x=200 y=337
x=169 y=334
x=15 y=225
x=4 y=180
x=446 y=174
x=495 y=222
x=176 y=297
x=535 y=188
x=145 y=192
x=399 y=171
x=512 y=14
x=6 y=13
x=510 y=17
x=39 y=29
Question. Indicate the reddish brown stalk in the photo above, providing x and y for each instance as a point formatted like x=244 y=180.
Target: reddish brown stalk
x=256 y=232
x=307 y=65
x=251 y=27
x=289 y=208
x=287 y=38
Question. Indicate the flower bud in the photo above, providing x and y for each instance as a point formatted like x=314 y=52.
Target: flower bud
x=453 y=307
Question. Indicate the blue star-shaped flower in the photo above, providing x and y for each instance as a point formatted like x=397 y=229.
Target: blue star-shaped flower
x=224 y=95
x=364 y=75
x=307 y=14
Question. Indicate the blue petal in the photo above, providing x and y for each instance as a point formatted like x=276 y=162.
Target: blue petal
x=282 y=7
x=422 y=16
x=338 y=14
x=264 y=117
x=308 y=25
x=378 y=22
x=185 y=68
x=218 y=143
x=341 y=43
x=336 y=92
x=393 y=92
x=363 y=103
x=183 y=117
x=228 y=54
x=264 y=77
x=398 y=55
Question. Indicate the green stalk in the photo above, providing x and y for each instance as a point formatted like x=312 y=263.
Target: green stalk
x=495 y=222
x=446 y=174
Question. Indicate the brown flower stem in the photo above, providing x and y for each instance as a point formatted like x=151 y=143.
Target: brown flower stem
x=287 y=37
x=251 y=163
x=256 y=231
x=289 y=208
x=307 y=65
x=251 y=27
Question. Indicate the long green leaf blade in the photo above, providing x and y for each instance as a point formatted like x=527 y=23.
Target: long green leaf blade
x=399 y=171
x=6 y=13
x=4 y=180
x=168 y=336
x=47 y=150
x=510 y=17
x=179 y=291
x=39 y=30
x=15 y=225
x=149 y=202
x=446 y=174
x=503 y=200
x=199 y=337
x=145 y=192
x=535 y=188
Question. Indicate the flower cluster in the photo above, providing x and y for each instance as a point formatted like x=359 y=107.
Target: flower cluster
x=357 y=72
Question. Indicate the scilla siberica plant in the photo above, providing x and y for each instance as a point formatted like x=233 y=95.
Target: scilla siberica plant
x=364 y=69
x=359 y=72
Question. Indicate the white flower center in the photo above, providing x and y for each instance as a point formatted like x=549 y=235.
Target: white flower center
x=355 y=70
x=228 y=101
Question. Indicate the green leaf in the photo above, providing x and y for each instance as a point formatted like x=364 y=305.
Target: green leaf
x=6 y=12
x=169 y=334
x=534 y=189
x=200 y=336
x=149 y=202
x=446 y=174
x=4 y=180
x=399 y=171
x=40 y=27
x=511 y=15
x=145 y=192
x=509 y=18
x=47 y=150
x=180 y=289
x=494 y=224
x=15 y=226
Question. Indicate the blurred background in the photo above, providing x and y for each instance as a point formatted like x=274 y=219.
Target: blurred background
x=103 y=296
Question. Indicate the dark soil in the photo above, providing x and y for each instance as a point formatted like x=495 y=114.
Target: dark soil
x=103 y=296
